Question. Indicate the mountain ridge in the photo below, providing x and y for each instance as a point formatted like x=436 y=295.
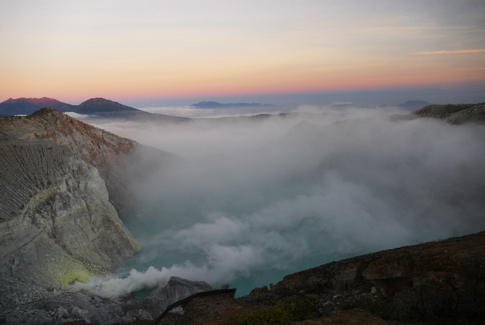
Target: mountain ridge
x=99 y=107
x=26 y=106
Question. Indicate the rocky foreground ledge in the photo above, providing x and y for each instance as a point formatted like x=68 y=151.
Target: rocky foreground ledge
x=440 y=282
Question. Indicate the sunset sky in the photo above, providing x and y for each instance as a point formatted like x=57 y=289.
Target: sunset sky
x=150 y=51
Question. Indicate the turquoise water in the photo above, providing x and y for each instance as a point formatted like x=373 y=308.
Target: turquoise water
x=147 y=224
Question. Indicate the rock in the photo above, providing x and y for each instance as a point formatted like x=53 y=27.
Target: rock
x=475 y=114
x=113 y=156
x=454 y=113
x=58 y=224
x=62 y=313
x=436 y=282
x=175 y=290
x=389 y=268
x=139 y=314
x=329 y=305
x=95 y=310
x=441 y=111
x=78 y=313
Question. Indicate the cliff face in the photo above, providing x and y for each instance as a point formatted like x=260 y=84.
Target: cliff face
x=103 y=150
x=57 y=223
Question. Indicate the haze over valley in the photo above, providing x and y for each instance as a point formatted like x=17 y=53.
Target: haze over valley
x=252 y=200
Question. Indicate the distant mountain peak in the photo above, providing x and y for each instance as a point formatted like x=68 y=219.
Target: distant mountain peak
x=31 y=100
x=98 y=106
x=102 y=105
x=47 y=111
x=25 y=106
x=99 y=100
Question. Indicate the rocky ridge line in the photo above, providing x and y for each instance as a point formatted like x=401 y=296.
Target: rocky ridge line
x=454 y=113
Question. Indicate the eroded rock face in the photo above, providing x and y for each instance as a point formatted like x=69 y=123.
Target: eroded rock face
x=96 y=147
x=57 y=224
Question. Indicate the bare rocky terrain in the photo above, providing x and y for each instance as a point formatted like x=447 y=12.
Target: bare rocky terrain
x=440 y=282
x=62 y=182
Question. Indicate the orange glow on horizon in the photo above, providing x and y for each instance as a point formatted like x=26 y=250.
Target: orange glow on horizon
x=169 y=49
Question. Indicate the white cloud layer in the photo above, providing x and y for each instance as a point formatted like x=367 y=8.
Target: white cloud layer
x=285 y=193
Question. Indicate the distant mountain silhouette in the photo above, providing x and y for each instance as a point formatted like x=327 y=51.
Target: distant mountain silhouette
x=414 y=104
x=99 y=107
x=26 y=106
x=212 y=104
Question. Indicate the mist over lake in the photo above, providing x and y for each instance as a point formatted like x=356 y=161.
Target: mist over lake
x=250 y=200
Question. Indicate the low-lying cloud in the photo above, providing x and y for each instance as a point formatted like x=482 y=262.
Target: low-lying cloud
x=193 y=112
x=271 y=196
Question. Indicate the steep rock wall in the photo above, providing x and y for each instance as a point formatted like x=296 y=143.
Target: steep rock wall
x=97 y=147
x=56 y=222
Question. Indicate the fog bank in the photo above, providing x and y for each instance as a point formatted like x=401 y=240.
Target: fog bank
x=253 y=199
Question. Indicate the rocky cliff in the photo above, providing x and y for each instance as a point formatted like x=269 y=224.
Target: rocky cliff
x=111 y=155
x=56 y=219
x=58 y=180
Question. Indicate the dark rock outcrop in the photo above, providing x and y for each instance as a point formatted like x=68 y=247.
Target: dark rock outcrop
x=90 y=309
x=454 y=113
x=438 y=282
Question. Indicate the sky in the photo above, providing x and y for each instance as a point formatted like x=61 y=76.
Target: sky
x=151 y=52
